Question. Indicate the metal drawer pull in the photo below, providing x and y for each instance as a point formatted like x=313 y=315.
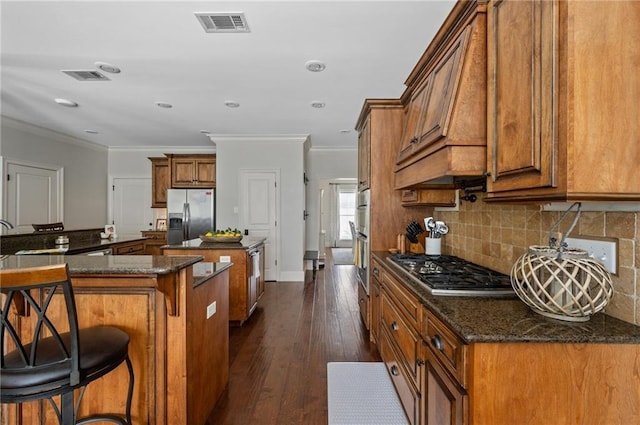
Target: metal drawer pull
x=394 y=326
x=361 y=300
x=437 y=342
x=375 y=271
x=394 y=370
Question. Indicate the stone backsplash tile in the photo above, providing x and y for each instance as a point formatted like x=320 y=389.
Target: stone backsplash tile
x=496 y=235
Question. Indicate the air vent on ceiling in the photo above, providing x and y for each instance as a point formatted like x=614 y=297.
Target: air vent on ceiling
x=86 y=75
x=223 y=22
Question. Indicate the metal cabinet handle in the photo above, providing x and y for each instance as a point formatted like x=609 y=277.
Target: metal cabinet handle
x=375 y=271
x=420 y=362
x=394 y=326
x=394 y=370
x=361 y=300
x=436 y=341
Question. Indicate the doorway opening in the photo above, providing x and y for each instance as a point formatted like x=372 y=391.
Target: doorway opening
x=343 y=211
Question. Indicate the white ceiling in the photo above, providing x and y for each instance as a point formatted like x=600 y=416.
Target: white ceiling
x=369 y=48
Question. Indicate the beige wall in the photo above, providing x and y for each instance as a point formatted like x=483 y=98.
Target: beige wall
x=496 y=235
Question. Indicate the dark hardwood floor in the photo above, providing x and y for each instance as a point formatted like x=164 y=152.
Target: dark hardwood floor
x=278 y=358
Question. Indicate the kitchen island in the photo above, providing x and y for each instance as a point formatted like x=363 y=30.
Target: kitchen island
x=180 y=357
x=246 y=279
x=488 y=360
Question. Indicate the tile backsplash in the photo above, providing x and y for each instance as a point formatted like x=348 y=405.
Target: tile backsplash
x=495 y=235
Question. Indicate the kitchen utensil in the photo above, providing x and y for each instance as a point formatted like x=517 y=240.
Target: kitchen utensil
x=413 y=230
x=430 y=225
x=440 y=229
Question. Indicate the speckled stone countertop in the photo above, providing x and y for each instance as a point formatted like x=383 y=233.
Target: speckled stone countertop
x=245 y=244
x=80 y=241
x=487 y=319
x=107 y=264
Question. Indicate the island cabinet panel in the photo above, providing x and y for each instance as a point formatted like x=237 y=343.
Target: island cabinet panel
x=129 y=248
x=563 y=101
x=244 y=288
x=180 y=360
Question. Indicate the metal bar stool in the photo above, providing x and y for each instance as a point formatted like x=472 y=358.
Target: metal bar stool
x=51 y=362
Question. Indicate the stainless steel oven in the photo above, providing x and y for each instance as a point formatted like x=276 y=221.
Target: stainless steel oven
x=362 y=242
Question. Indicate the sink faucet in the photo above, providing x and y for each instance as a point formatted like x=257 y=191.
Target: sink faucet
x=6 y=224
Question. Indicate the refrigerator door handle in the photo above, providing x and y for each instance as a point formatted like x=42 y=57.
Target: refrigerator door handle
x=187 y=221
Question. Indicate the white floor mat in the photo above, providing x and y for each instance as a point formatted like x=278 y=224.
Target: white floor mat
x=362 y=393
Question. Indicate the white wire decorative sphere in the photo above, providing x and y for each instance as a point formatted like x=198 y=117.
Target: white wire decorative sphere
x=566 y=285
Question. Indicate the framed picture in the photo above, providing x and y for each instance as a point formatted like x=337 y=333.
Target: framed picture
x=161 y=224
x=110 y=229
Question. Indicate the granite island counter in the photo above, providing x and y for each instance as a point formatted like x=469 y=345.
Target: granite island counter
x=246 y=279
x=488 y=360
x=162 y=303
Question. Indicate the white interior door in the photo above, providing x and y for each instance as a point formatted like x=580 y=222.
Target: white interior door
x=34 y=195
x=258 y=213
x=132 y=210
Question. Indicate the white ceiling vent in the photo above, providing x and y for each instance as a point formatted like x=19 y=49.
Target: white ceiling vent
x=86 y=75
x=223 y=22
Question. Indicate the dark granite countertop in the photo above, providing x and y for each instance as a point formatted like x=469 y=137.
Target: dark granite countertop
x=487 y=319
x=107 y=264
x=80 y=241
x=245 y=244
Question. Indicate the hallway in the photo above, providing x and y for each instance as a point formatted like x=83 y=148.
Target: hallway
x=278 y=359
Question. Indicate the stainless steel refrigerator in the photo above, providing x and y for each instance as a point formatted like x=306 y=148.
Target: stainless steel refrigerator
x=190 y=213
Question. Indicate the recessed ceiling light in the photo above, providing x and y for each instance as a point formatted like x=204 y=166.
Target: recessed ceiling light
x=107 y=67
x=205 y=132
x=317 y=104
x=315 y=66
x=91 y=131
x=65 y=102
x=345 y=130
x=231 y=104
x=164 y=105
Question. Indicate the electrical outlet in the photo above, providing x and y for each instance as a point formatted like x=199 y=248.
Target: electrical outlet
x=211 y=309
x=604 y=250
x=225 y=258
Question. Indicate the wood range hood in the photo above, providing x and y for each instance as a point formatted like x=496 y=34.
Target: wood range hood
x=444 y=135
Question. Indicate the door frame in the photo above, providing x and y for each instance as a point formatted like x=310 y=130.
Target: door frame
x=4 y=168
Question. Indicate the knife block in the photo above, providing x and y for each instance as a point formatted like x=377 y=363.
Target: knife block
x=416 y=248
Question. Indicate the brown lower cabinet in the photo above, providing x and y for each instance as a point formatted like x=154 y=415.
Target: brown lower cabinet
x=154 y=240
x=128 y=248
x=443 y=380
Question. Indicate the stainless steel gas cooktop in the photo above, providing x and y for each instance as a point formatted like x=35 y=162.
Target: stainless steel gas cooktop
x=449 y=275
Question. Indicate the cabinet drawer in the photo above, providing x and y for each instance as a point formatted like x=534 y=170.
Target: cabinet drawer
x=134 y=248
x=447 y=347
x=407 y=303
x=409 y=396
x=405 y=339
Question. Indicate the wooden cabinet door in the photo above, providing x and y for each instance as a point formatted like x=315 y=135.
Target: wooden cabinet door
x=439 y=102
x=445 y=401
x=522 y=140
x=364 y=155
x=160 y=182
x=375 y=301
x=190 y=172
x=413 y=120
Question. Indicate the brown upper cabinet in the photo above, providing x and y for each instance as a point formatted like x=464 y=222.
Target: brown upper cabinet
x=445 y=120
x=160 y=181
x=563 y=90
x=189 y=171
